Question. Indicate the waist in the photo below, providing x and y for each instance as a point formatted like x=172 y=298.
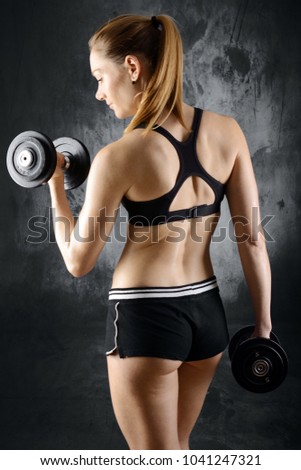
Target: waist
x=159 y=292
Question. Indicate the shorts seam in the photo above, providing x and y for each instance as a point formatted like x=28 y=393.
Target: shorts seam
x=116 y=330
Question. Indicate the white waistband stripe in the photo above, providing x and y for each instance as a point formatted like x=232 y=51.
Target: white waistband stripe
x=152 y=292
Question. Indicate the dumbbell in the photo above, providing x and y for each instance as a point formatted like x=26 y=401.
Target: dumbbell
x=258 y=364
x=31 y=160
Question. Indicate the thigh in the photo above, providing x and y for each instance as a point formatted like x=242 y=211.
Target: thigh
x=144 y=393
x=194 y=380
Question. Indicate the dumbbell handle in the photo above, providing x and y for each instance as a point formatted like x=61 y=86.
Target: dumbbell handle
x=66 y=161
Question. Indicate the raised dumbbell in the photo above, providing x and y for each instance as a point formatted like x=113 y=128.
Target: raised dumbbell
x=258 y=364
x=31 y=160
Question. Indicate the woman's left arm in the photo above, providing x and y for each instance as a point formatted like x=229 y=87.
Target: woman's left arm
x=81 y=242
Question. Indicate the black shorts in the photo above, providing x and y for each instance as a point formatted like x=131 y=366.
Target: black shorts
x=185 y=323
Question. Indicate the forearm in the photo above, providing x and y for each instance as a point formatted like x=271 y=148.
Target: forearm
x=62 y=217
x=256 y=267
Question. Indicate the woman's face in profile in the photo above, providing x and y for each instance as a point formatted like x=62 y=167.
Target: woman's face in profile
x=114 y=84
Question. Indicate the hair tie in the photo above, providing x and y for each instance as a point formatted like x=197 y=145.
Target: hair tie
x=156 y=23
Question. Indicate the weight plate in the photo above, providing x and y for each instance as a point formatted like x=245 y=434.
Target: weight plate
x=243 y=335
x=31 y=159
x=259 y=365
x=79 y=158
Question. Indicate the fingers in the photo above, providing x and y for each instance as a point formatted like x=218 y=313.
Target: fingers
x=261 y=332
x=61 y=161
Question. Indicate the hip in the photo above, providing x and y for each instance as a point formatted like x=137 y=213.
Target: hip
x=186 y=322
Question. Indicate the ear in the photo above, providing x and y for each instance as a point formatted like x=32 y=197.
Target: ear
x=133 y=65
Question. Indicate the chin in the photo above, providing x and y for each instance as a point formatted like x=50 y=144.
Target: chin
x=118 y=114
x=122 y=113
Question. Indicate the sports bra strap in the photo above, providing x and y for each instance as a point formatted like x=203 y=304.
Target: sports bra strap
x=193 y=134
x=157 y=211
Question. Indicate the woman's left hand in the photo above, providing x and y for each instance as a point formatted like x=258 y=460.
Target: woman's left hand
x=261 y=332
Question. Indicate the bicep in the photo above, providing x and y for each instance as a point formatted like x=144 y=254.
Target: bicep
x=242 y=192
x=106 y=186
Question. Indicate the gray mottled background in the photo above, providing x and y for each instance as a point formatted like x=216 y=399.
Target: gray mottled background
x=241 y=58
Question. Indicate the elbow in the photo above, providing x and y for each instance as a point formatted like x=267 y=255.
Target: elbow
x=78 y=270
x=80 y=262
x=258 y=240
x=256 y=244
x=254 y=240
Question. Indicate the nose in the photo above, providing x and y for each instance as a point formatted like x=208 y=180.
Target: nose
x=99 y=95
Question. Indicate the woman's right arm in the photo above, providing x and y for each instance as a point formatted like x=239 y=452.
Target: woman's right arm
x=242 y=196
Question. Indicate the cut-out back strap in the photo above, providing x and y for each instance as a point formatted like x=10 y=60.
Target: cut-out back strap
x=156 y=211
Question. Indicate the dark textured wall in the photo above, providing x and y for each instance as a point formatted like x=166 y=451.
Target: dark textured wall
x=241 y=58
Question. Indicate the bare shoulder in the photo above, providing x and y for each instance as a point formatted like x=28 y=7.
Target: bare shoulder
x=220 y=140
x=118 y=160
x=223 y=129
x=122 y=151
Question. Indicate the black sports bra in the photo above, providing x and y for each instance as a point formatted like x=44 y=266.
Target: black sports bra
x=156 y=211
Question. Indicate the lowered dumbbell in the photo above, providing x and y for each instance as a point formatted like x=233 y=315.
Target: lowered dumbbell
x=31 y=160
x=258 y=364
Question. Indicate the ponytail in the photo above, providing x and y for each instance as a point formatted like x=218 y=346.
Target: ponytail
x=159 y=41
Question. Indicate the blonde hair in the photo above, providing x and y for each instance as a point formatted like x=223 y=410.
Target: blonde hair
x=157 y=39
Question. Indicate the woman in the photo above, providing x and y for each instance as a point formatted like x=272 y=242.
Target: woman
x=166 y=327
